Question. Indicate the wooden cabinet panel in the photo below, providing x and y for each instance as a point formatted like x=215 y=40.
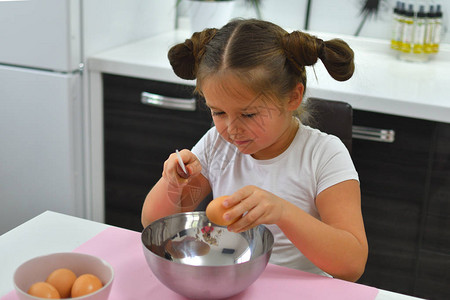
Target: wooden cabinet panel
x=406 y=205
x=433 y=268
x=432 y=281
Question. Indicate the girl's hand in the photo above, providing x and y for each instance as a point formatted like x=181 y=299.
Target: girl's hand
x=259 y=206
x=174 y=174
x=173 y=193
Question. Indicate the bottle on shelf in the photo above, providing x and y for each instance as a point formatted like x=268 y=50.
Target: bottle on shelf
x=419 y=31
x=397 y=25
x=408 y=30
x=429 y=30
x=437 y=30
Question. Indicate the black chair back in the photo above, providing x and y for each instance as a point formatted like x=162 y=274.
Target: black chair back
x=332 y=117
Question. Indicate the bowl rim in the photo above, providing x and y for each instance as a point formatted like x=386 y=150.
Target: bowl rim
x=105 y=286
x=203 y=213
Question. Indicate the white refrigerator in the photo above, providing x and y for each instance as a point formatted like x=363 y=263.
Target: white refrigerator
x=44 y=104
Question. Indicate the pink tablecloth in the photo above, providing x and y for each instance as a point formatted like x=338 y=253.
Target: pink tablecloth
x=134 y=279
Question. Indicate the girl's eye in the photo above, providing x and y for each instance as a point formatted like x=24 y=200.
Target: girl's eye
x=217 y=113
x=249 y=115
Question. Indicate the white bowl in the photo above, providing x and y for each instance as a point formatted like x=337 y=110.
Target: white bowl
x=38 y=268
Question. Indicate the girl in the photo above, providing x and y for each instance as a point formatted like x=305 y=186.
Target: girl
x=298 y=181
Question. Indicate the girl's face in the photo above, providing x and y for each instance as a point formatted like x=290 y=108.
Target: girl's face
x=248 y=120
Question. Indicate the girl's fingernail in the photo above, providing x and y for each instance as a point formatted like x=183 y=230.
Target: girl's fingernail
x=225 y=203
x=226 y=217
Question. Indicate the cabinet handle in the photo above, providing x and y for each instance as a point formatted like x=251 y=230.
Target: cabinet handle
x=168 y=102
x=373 y=134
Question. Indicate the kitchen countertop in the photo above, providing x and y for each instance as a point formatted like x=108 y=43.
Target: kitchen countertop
x=52 y=232
x=381 y=83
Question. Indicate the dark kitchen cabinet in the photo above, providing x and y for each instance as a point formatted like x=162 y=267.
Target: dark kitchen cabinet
x=406 y=205
x=138 y=138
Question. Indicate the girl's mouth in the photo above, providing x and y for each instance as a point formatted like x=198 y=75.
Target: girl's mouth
x=241 y=142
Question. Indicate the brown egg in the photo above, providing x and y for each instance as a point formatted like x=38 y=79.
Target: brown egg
x=43 y=290
x=62 y=279
x=215 y=212
x=85 y=284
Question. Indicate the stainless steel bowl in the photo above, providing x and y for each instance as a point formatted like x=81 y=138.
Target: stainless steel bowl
x=201 y=260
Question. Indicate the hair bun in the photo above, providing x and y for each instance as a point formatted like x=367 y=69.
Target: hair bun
x=182 y=61
x=338 y=59
x=302 y=48
x=185 y=57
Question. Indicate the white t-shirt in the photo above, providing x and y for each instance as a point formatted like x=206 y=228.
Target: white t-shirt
x=313 y=162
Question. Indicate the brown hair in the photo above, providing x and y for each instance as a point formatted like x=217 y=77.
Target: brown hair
x=261 y=54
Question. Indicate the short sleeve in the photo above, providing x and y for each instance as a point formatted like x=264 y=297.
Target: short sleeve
x=203 y=150
x=333 y=164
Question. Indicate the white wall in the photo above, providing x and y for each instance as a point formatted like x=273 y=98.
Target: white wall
x=111 y=23
x=338 y=16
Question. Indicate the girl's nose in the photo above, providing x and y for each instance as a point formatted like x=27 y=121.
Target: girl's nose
x=234 y=126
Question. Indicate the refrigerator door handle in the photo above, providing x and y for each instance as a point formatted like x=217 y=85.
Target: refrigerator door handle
x=373 y=134
x=168 y=102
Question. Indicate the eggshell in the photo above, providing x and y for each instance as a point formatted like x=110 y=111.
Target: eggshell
x=85 y=284
x=43 y=290
x=215 y=211
x=62 y=279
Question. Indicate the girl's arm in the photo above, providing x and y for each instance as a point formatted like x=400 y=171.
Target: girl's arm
x=174 y=193
x=336 y=244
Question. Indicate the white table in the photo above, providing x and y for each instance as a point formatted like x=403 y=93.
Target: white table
x=52 y=232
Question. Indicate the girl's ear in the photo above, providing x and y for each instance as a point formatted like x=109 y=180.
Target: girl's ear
x=296 y=97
